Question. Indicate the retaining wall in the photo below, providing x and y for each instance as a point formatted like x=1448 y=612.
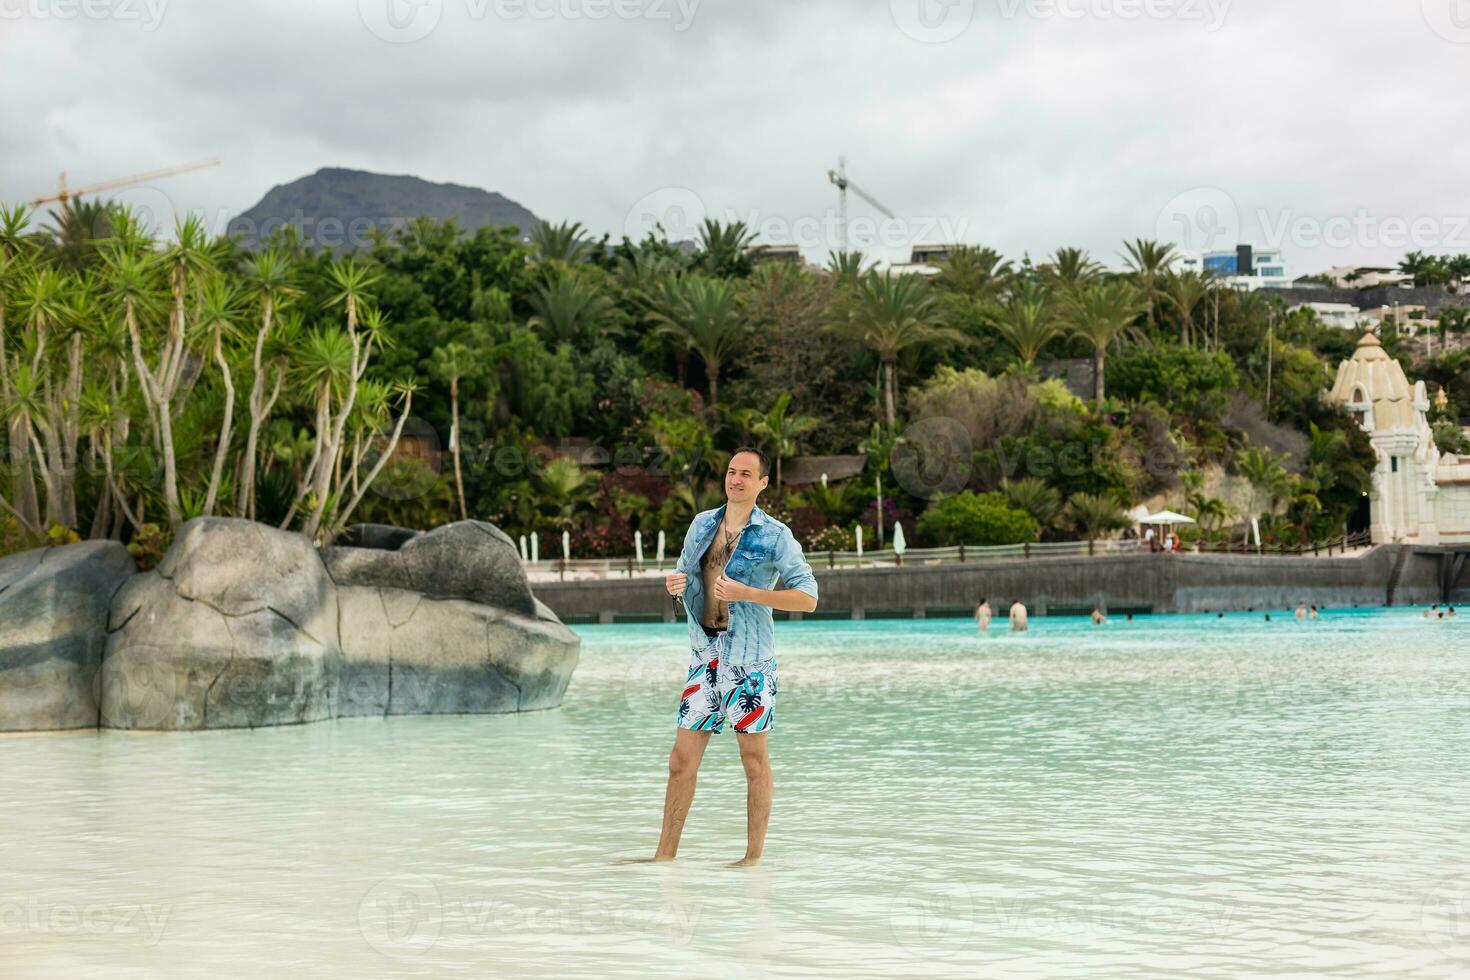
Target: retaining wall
x=1143 y=583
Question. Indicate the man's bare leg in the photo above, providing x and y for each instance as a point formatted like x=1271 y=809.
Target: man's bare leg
x=758 y=786
x=683 y=767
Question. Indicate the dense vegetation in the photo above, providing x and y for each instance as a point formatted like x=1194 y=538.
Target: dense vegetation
x=569 y=385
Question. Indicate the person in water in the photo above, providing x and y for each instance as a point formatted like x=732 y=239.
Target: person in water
x=1098 y=618
x=732 y=559
x=1018 y=617
x=983 y=615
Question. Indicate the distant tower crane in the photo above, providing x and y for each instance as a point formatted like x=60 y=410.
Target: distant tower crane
x=839 y=178
x=66 y=194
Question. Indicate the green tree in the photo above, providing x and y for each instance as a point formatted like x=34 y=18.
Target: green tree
x=1150 y=262
x=566 y=242
x=1100 y=313
x=889 y=314
x=1032 y=495
x=570 y=308
x=782 y=432
x=1028 y=320
x=976 y=519
x=1095 y=514
x=704 y=315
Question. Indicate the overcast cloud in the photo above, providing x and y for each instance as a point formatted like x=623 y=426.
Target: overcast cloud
x=1329 y=128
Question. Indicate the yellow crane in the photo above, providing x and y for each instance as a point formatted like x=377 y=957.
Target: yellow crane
x=65 y=194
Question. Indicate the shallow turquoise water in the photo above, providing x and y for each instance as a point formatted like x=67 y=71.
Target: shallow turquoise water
x=1176 y=795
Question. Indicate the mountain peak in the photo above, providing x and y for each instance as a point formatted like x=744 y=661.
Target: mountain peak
x=337 y=208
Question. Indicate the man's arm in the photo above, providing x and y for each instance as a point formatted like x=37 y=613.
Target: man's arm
x=790 y=600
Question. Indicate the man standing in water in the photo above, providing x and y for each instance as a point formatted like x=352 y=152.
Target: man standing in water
x=983 y=615
x=739 y=552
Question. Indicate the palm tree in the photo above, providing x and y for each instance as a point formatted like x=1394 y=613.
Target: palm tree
x=846 y=266
x=1070 y=269
x=705 y=315
x=565 y=242
x=889 y=314
x=726 y=250
x=336 y=381
x=1035 y=497
x=570 y=306
x=1184 y=291
x=1263 y=471
x=1100 y=313
x=1210 y=512
x=1095 y=514
x=1027 y=321
x=563 y=487
x=217 y=313
x=1425 y=269
x=268 y=280
x=449 y=362
x=1149 y=261
x=979 y=272
x=1459 y=269
x=781 y=431
x=16 y=250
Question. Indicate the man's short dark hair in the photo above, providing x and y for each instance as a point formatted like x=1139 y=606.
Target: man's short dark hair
x=765 y=460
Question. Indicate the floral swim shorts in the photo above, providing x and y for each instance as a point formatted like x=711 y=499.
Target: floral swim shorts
x=716 y=691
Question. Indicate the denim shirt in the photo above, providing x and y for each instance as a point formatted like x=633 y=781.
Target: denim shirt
x=766 y=551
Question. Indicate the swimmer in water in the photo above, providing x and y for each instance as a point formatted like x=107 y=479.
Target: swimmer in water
x=983 y=615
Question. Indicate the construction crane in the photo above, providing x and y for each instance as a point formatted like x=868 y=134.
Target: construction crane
x=839 y=178
x=65 y=194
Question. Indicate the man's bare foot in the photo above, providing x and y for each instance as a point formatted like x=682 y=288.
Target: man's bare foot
x=647 y=860
x=745 y=862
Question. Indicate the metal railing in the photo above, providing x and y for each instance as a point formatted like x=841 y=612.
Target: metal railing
x=629 y=566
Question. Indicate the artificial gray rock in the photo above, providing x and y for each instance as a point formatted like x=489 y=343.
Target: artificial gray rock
x=469 y=560
x=236 y=628
x=383 y=537
x=406 y=653
x=53 y=626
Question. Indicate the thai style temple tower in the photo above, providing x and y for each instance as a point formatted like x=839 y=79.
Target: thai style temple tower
x=1419 y=495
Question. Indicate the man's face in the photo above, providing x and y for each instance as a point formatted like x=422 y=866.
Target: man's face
x=743 y=478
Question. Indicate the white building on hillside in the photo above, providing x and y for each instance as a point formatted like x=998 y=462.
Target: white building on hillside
x=1344 y=315
x=1244 y=267
x=1419 y=494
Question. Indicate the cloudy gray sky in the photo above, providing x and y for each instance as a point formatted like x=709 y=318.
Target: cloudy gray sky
x=1329 y=128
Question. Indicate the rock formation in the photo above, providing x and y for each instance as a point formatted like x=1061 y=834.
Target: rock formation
x=244 y=625
x=53 y=626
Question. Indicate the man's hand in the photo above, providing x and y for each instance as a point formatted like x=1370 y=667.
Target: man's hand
x=728 y=590
x=676 y=583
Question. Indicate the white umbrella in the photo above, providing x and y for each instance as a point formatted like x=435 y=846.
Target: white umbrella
x=1167 y=517
x=566 y=545
x=898 y=543
x=638 y=546
x=523 y=547
x=860 y=543
x=535 y=547
x=660 y=547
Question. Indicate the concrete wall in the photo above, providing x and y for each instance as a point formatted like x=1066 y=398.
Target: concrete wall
x=1057 y=586
x=1431 y=298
